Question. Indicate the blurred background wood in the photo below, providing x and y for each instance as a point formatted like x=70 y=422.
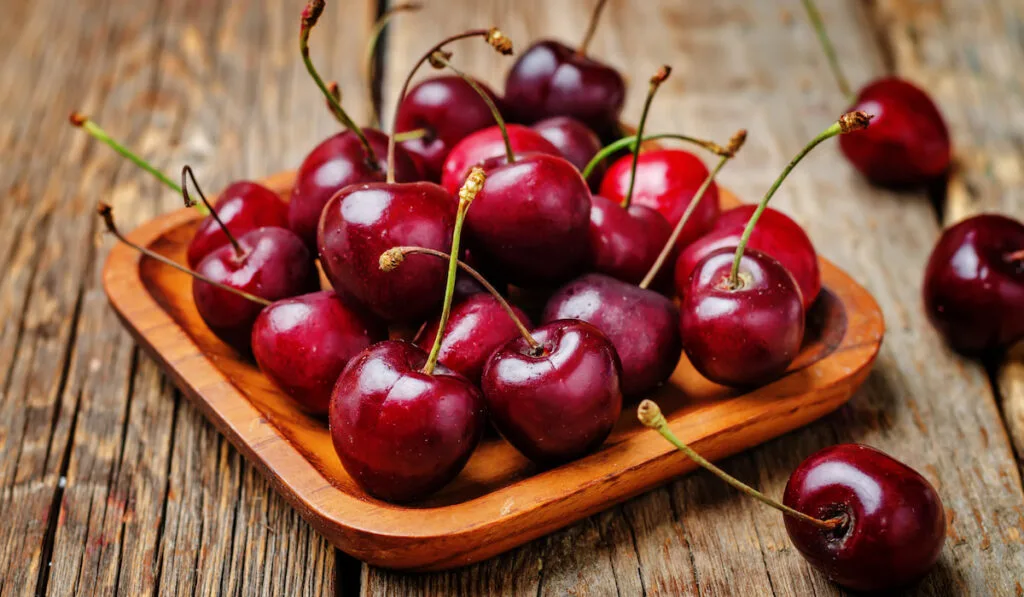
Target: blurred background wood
x=111 y=483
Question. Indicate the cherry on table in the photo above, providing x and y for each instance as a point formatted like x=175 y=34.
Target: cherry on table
x=974 y=284
x=575 y=141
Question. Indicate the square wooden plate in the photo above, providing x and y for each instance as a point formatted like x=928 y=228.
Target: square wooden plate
x=500 y=500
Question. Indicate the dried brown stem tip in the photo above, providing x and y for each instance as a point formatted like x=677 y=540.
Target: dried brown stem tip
x=439 y=58
x=335 y=90
x=391 y=259
x=649 y=413
x=77 y=119
x=662 y=74
x=736 y=142
x=474 y=182
x=311 y=14
x=103 y=209
x=499 y=42
x=854 y=121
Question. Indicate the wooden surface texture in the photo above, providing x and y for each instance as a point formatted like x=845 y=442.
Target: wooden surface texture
x=111 y=482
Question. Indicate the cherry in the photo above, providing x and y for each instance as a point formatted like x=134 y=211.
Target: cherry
x=908 y=142
x=575 y=142
x=866 y=520
x=487 y=145
x=303 y=343
x=402 y=424
x=625 y=242
x=776 y=235
x=552 y=79
x=974 y=284
x=741 y=313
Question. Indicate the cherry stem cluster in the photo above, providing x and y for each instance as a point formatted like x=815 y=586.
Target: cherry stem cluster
x=441 y=59
x=828 y=48
x=595 y=17
x=734 y=145
x=370 y=59
x=107 y=213
x=632 y=142
x=656 y=81
x=650 y=415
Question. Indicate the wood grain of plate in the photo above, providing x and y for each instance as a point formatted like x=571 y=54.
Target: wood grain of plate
x=500 y=500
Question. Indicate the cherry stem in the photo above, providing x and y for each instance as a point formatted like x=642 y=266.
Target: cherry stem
x=851 y=121
x=650 y=415
x=81 y=121
x=734 y=145
x=394 y=256
x=335 y=91
x=828 y=48
x=186 y=173
x=107 y=213
x=656 y=81
x=494 y=37
x=310 y=15
x=1015 y=256
x=631 y=141
x=371 y=54
x=410 y=135
x=595 y=16
x=440 y=59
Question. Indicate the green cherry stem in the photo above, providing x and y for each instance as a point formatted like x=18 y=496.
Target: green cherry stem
x=370 y=59
x=828 y=48
x=629 y=143
x=107 y=213
x=656 y=81
x=650 y=415
x=734 y=145
x=186 y=174
x=410 y=135
x=851 y=121
x=595 y=17
x=310 y=15
x=495 y=38
x=83 y=122
x=441 y=59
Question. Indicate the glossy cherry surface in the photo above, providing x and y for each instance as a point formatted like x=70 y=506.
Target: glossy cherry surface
x=575 y=141
x=642 y=325
x=303 y=343
x=624 y=243
x=974 y=284
x=907 y=143
x=486 y=146
x=896 y=523
x=339 y=161
x=476 y=328
x=557 y=403
x=274 y=264
x=666 y=180
x=448 y=109
x=242 y=206
x=552 y=79
x=363 y=221
x=400 y=433
x=776 y=234
x=531 y=219
x=747 y=336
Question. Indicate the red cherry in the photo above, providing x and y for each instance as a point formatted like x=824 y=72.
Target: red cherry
x=303 y=343
x=776 y=235
x=242 y=206
x=974 y=284
x=895 y=521
x=576 y=143
x=488 y=144
x=624 y=243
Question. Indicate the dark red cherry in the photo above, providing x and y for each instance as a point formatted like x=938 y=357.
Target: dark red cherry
x=531 y=219
x=907 y=143
x=642 y=325
x=476 y=328
x=273 y=264
x=560 y=400
x=776 y=234
x=895 y=521
x=449 y=110
x=303 y=343
x=242 y=206
x=575 y=141
x=363 y=221
x=488 y=144
x=974 y=284
x=400 y=433
x=624 y=243
x=666 y=180
x=744 y=336
x=552 y=79
x=339 y=161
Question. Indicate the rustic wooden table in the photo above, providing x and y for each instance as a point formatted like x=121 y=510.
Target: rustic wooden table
x=111 y=482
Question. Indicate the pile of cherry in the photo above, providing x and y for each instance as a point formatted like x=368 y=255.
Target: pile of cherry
x=598 y=231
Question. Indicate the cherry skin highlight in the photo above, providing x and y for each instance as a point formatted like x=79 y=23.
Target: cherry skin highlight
x=907 y=143
x=747 y=336
x=575 y=141
x=488 y=146
x=974 y=284
x=896 y=524
x=242 y=206
x=400 y=433
x=303 y=343
x=624 y=243
x=776 y=235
